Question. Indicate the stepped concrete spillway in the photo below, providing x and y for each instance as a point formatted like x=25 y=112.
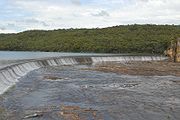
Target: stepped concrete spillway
x=9 y=75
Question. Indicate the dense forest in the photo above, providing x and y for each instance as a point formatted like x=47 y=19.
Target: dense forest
x=118 y=39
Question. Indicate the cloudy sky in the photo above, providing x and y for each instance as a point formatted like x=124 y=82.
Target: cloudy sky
x=21 y=15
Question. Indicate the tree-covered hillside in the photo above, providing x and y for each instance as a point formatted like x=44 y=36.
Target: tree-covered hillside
x=118 y=39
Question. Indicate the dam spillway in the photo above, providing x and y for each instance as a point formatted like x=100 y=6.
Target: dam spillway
x=9 y=75
x=57 y=87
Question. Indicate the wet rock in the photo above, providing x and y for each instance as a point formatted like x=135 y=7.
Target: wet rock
x=70 y=108
x=52 y=77
x=87 y=86
x=176 y=81
x=77 y=113
x=34 y=115
x=2 y=113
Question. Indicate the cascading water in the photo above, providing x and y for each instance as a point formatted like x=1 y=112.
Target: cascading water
x=10 y=75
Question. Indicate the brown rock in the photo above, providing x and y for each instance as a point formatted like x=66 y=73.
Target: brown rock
x=174 y=51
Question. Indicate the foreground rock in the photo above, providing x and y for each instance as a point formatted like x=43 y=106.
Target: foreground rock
x=77 y=113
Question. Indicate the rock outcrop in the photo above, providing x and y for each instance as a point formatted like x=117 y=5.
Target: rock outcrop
x=178 y=51
x=174 y=51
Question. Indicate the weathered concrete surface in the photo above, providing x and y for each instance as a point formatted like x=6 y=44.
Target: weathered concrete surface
x=82 y=94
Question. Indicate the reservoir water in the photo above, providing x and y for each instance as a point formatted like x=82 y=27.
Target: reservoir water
x=19 y=55
x=11 y=57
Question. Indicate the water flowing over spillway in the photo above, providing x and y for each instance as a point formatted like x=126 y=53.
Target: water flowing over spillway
x=9 y=75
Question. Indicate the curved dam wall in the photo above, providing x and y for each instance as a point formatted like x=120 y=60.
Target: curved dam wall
x=9 y=75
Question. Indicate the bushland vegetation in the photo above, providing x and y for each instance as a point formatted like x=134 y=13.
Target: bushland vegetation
x=153 y=39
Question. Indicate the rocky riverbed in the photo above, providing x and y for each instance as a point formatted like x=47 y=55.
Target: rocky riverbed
x=162 y=68
x=131 y=91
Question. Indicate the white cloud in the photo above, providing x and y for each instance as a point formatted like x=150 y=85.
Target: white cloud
x=48 y=14
x=101 y=13
x=150 y=11
x=76 y=2
x=7 y=31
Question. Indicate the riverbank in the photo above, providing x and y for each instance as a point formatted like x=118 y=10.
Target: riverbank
x=152 y=68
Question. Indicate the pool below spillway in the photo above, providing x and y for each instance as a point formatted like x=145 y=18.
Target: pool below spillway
x=75 y=93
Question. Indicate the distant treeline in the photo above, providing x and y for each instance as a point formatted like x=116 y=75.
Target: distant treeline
x=118 y=39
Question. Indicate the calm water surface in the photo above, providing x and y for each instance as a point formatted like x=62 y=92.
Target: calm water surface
x=10 y=57
x=19 y=55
